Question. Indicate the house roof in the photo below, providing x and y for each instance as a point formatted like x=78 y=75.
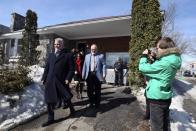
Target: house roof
x=91 y=28
x=4 y=29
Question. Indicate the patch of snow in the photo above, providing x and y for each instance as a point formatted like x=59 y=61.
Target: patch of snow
x=15 y=97
x=36 y=73
x=28 y=104
x=24 y=105
x=180 y=120
x=5 y=104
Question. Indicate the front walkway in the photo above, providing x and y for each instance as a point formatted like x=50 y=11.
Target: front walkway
x=118 y=112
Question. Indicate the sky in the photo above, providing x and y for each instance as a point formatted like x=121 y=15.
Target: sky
x=51 y=12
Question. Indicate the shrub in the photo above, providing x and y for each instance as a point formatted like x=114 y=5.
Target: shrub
x=13 y=80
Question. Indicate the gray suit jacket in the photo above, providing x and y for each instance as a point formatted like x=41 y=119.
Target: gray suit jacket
x=100 y=66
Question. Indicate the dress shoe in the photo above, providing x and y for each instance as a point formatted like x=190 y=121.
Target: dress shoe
x=47 y=123
x=91 y=106
x=97 y=105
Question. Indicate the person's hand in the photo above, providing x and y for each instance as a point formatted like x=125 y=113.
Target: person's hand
x=145 y=52
x=66 y=82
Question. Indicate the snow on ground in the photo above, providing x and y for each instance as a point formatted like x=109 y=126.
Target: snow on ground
x=180 y=120
x=192 y=92
x=36 y=73
x=25 y=105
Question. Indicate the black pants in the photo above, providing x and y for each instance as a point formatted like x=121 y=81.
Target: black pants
x=62 y=98
x=51 y=107
x=93 y=89
x=147 y=109
x=118 y=78
x=79 y=87
x=159 y=116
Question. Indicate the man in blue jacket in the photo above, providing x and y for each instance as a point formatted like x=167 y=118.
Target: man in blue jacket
x=94 y=74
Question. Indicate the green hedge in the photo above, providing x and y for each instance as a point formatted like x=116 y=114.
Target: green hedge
x=13 y=80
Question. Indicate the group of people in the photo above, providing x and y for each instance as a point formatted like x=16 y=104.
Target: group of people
x=61 y=66
x=158 y=66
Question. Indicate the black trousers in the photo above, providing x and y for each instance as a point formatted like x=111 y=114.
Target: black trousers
x=51 y=107
x=79 y=87
x=62 y=98
x=93 y=89
x=159 y=116
x=118 y=78
x=147 y=109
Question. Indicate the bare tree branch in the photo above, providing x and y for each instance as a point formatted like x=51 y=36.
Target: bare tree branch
x=169 y=30
x=169 y=17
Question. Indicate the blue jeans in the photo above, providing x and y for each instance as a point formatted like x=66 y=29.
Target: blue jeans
x=159 y=116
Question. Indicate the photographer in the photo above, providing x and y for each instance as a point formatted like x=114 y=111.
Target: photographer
x=161 y=74
x=151 y=58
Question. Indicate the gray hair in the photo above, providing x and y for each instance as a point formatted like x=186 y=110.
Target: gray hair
x=59 y=40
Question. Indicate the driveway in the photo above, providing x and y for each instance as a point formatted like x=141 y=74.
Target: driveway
x=118 y=112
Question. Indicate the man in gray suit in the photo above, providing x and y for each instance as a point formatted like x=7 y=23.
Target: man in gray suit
x=94 y=74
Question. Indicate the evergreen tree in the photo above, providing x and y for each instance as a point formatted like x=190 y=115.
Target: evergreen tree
x=30 y=40
x=154 y=23
x=1 y=55
x=145 y=29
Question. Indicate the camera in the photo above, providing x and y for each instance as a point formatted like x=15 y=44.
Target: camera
x=149 y=51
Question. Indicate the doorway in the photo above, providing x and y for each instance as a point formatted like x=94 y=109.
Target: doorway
x=82 y=47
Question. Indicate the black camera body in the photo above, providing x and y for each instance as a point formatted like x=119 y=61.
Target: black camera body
x=149 y=51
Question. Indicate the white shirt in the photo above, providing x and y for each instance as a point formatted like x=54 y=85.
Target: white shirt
x=93 y=62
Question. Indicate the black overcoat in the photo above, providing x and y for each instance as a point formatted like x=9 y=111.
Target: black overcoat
x=57 y=70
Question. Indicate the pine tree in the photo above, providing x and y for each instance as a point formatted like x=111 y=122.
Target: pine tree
x=154 y=23
x=145 y=29
x=30 y=40
x=1 y=55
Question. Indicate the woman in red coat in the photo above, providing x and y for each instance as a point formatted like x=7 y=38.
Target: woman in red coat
x=78 y=75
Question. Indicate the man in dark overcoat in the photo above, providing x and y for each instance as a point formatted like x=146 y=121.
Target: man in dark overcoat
x=57 y=75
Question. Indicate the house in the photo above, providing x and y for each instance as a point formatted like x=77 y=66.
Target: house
x=111 y=34
x=193 y=68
